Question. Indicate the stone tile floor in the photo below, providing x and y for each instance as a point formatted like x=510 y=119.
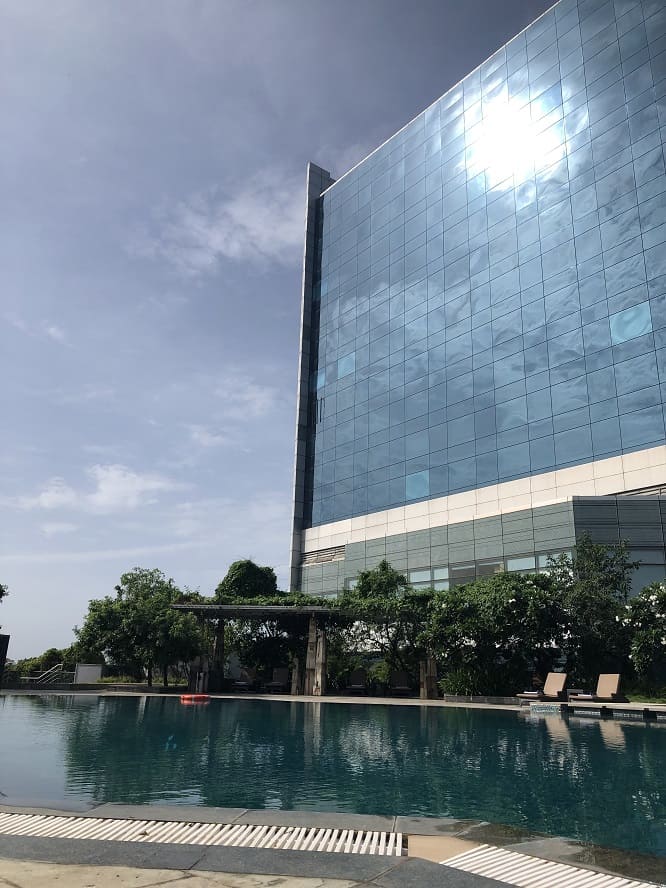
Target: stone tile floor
x=33 y=874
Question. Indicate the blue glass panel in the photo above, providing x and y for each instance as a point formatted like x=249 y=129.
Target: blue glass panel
x=489 y=296
x=630 y=323
x=417 y=485
x=346 y=365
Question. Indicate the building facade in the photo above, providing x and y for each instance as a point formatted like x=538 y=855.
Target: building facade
x=483 y=348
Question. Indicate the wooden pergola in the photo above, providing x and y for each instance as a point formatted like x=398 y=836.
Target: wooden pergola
x=314 y=683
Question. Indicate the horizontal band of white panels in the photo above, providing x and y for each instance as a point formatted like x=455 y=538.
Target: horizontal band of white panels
x=525 y=871
x=617 y=474
x=233 y=835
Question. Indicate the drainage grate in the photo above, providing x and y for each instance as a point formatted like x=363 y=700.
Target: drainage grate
x=533 y=872
x=239 y=835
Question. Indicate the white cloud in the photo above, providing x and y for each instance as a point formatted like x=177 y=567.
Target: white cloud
x=57 y=494
x=87 y=393
x=117 y=489
x=57 y=334
x=242 y=398
x=17 y=322
x=261 y=221
x=55 y=528
x=204 y=437
x=94 y=555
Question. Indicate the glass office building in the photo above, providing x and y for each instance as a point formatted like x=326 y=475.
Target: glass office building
x=483 y=349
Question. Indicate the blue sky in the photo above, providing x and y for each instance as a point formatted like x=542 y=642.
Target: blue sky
x=152 y=172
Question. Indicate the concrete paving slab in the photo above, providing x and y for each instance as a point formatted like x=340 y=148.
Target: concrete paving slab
x=332 y=819
x=44 y=807
x=438 y=848
x=357 y=867
x=30 y=874
x=432 y=826
x=414 y=873
x=175 y=813
x=92 y=852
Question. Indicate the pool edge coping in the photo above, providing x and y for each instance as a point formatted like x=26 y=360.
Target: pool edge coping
x=556 y=849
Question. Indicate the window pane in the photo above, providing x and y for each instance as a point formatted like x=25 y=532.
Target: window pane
x=630 y=323
x=525 y=563
x=489 y=568
x=417 y=485
x=346 y=365
x=419 y=576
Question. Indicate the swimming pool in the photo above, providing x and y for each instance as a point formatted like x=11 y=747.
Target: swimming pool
x=602 y=782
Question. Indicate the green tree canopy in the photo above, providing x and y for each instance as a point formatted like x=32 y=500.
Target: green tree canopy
x=51 y=657
x=138 y=629
x=388 y=615
x=594 y=584
x=245 y=579
x=490 y=635
x=645 y=619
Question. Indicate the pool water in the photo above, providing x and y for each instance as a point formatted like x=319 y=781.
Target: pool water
x=602 y=782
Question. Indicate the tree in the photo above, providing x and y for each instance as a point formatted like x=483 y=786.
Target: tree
x=245 y=579
x=594 y=584
x=138 y=629
x=388 y=615
x=646 y=620
x=491 y=635
x=52 y=657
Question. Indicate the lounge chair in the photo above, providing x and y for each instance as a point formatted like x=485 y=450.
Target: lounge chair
x=246 y=681
x=358 y=682
x=608 y=691
x=280 y=680
x=399 y=684
x=553 y=689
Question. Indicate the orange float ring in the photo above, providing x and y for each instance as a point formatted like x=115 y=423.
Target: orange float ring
x=195 y=698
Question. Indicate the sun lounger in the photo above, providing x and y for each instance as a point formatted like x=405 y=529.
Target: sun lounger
x=399 y=684
x=553 y=689
x=358 y=682
x=280 y=680
x=608 y=690
x=246 y=681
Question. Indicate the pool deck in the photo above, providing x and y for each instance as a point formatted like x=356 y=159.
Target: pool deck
x=268 y=698
x=430 y=842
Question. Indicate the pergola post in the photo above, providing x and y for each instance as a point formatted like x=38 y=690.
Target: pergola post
x=319 y=688
x=312 y=672
x=295 y=677
x=428 y=679
x=216 y=675
x=311 y=658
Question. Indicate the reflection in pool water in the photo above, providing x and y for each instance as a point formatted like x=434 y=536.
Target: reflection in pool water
x=603 y=782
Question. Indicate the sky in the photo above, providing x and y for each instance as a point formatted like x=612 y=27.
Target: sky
x=152 y=184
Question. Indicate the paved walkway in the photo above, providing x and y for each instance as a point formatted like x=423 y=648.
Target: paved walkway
x=32 y=874
x=272 y=698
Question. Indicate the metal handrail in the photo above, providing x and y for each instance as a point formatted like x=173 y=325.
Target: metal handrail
x=51 y=675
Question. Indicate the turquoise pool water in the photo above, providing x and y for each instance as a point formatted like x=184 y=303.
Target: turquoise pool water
x=602 y=782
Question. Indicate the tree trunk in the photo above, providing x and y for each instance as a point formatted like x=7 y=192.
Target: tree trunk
x=149 y=671
x=165 y=676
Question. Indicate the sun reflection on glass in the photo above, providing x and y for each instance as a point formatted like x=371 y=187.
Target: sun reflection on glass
x=508 y=144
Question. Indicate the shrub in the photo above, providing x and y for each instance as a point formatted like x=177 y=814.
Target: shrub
x=646 y=621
